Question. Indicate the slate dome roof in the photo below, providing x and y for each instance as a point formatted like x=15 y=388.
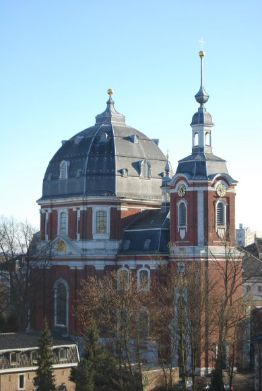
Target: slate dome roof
x=109 y=158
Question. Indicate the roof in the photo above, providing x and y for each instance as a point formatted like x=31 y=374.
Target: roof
x=202 y=165
x=252 y=264
x=148 y=234
x=109 y=158
x=17 y=341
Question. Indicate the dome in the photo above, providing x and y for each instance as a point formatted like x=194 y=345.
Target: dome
x=107 y=159
x=202 y=117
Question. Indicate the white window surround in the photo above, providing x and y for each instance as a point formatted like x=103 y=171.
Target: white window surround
x=61 y=281
x=221 y=228
x=140 y=284
x=178 y=214
x=105 y=235
x=60 y=228
x=120 y=279
x=21 y=381
x=224 y=203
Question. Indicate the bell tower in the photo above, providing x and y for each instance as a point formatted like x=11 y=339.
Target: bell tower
x=202 y=193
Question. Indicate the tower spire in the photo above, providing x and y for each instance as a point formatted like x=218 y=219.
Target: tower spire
x=202 y=96
x=202 y=121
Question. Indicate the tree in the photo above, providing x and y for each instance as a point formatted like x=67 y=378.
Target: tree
x=19 y=256
x=97 y=370
x=113 y=303
x=44 y=380
x=229 y=309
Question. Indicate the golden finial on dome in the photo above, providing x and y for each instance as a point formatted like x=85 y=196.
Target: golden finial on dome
x=110 y=92
x=201 y=54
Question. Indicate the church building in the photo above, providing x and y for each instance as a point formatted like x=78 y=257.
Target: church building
x=111 y=201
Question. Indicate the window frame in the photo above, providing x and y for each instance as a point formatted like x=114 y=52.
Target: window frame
x=121 y=270
x=62 y=211
x=97 y=235
x=61 y=281
x=63 y=169
x=21 y=376
x=140 y=285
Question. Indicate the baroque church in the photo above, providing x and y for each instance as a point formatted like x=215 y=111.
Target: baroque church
x=111 y=201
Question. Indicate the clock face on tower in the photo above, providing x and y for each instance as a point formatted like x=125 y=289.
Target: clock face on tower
x=221 y=190
x=181 y=190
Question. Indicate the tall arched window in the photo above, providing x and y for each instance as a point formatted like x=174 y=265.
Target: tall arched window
x=143 y=279
x=63 y=170
x=182 y=215
x=143 y=323
x=221 y=214
x=61 y=296
x=122 y=279
x=63 y=223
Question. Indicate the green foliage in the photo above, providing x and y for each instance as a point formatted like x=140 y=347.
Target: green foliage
x=98 y=369
x=44 y=380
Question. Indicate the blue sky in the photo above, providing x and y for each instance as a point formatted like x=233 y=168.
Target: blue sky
x=59 y=57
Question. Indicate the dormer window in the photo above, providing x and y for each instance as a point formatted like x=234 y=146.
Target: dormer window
x=134 y=138
x=145 y=169
x=63 y=170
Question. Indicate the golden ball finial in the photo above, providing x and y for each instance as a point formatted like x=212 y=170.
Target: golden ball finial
x=201 y=54
x=110 y=92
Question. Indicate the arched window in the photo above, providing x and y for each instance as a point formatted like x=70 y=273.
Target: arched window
x=143 y=279
x=207 y=138
x=101 y=222
x=63 y=170
x=221 y=214
x=143 y=323
x=195 y=139
x=122 y=279
x=182 y=215
x=61 y=296
x=63 y=223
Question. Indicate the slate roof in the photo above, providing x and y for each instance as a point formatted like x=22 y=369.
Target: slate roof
x=252 y=264
x=149 y=234
x=105 y=159
x=16 y=341
x=202 y=165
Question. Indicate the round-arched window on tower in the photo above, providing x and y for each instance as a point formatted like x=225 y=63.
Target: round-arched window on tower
x=61 y=296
